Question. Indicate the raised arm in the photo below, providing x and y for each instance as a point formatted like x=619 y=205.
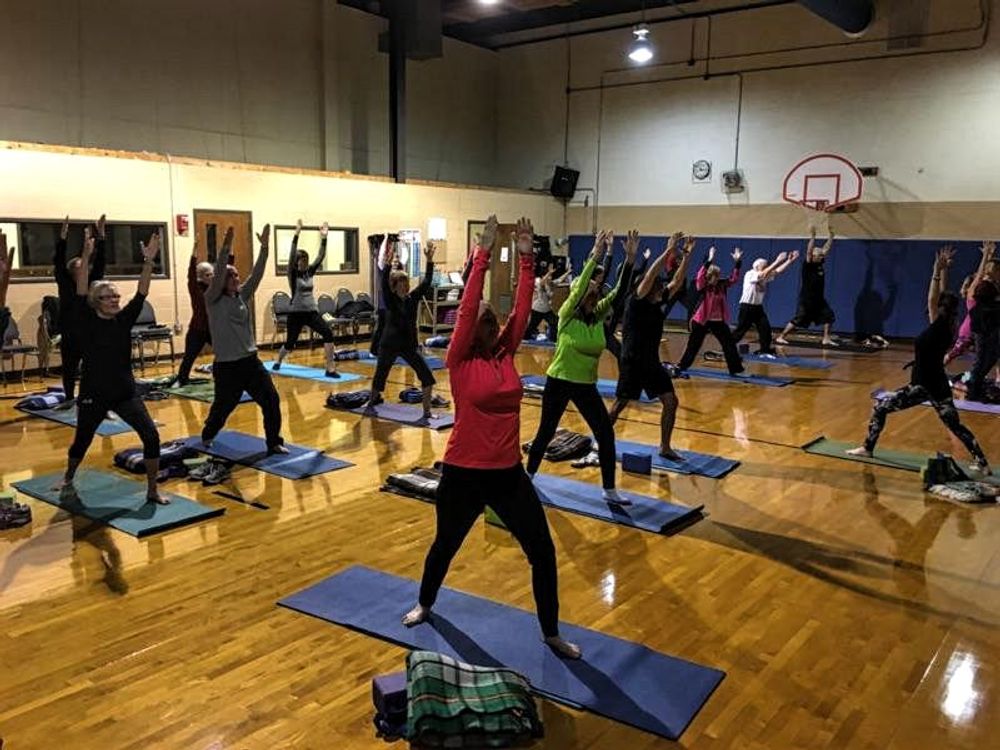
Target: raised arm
x=772 y=269
x=517 y=321
x=468 y=309
x=626 y=273
x=424 y=287
x=192 y=275
x=734 y=275
x=292 y=269
x=100 y=258
x=59 y=259
x=785 y=264
x=987 y=251
x=248 y=289
x=214 y=290
x=656 y=267
x=814 y=253
x=680 y=274
x=149 y=253
x=939 y=279
x=699 y=281
x=317 y=264
x=579 y=286
x=82 y=282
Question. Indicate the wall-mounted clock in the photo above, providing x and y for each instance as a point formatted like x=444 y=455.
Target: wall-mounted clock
x=701 y=171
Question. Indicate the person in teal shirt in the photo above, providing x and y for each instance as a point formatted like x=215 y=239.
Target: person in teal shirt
x=572 y=376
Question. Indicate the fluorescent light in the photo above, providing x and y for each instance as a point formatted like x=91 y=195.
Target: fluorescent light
x=641 y=49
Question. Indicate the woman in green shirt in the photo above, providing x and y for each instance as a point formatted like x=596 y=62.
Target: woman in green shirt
x=572 y=376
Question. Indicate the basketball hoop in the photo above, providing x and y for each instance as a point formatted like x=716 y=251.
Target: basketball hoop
x=823 y=182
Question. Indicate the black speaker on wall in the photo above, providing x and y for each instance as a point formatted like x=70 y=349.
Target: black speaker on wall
x=564 y=182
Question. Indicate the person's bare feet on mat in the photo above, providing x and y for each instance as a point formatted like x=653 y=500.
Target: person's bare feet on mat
x=277 y=449
x=416 y=616
x=670 y=454
x=860 y=451
x=157 y=499
x=563 y=647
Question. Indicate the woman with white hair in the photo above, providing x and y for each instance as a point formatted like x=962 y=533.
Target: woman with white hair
x=752 y=312
x=198 y=335
x=712 y=314
x=105 y=338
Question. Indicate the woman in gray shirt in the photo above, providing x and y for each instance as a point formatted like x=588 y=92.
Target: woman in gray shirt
x=304 y=311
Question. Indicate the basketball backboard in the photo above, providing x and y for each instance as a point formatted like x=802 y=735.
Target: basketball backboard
x=823 y=182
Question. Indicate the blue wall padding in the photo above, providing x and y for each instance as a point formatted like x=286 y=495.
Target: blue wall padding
x=874 y=286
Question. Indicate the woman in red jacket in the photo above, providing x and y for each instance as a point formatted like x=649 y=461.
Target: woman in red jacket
x=482 y=463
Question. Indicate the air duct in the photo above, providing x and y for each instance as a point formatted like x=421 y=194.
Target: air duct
x=852 y=16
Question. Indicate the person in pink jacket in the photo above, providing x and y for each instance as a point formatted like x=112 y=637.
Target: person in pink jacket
x=712 y=313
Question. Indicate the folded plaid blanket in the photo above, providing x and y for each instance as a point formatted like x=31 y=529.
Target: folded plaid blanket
x=451 y=704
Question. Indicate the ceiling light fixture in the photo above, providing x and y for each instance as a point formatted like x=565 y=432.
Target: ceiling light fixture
x=641 y=49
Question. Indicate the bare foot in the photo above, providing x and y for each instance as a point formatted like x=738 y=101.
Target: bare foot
x=157 y=499
x=860 y=451
x=830 y=342
x=670 y=454
x=612 y=496
x=278 y=449
x=563 y=648
x=416 y=616
x=781 y=340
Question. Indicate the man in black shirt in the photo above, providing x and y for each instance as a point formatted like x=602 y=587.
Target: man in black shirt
x=640 y=368
x=928 y=379
x=813 y=308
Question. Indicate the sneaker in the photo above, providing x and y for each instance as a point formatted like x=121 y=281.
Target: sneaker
x=591 y=459
x=439 y=401
x=218 y=474
x=612 y=496
x=275 y=366
x=201 y=470
x=981 y=468
x=333 y=374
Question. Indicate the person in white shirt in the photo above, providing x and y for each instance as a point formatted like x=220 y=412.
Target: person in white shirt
x=541 y=306
x=752 y=312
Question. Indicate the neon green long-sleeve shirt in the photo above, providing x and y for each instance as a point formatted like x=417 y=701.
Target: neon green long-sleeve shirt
x=579 y=345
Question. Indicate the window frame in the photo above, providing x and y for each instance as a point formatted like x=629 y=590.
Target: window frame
x=16 y=276
x=281 y=269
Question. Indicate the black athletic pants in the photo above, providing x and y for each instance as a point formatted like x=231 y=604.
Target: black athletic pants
x=461 y=497
x=987 y=354
x=71 y=355
x=387 y=357
x=725 y=337
x=754 y=315
x=194 y=341
x=92 y=411
x=377 y=333
x=299 y=320
x=611 y=342
x=231 y=379
x=555 y=398
x=535 y=320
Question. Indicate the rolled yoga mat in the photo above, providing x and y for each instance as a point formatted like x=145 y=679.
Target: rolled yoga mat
x=289 y=370
x=107 y=428
x=701 y=464
x=250 y=450
x=119 y=502
x=623 y=681
x=960 y=403
x=407 y=414
x=367 y=358
x=823 y=446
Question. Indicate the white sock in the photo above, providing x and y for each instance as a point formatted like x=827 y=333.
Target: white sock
x=611 y=494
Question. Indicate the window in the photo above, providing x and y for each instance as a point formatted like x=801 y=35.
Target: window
x=341 y=248
x=35 y=241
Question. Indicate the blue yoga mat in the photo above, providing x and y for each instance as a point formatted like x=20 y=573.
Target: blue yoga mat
x=107 y=428
x=805 y=363
x=406 y=414
x=312 y=373
x=960 y=403
x=771 y=381
x=615 y=678
x=605 y=387
x=702 y=464
x=367 y=358
x=645 y=512
x=251 y=450
x=119 y=502
x=544 y=344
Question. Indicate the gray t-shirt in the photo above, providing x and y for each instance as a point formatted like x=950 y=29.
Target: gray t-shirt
x=229 y=318
x=302 y=282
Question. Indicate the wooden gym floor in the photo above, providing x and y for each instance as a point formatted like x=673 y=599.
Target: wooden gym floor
x=849 y=609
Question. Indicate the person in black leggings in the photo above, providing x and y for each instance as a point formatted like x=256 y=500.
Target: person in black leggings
x=198 y=335
x=105 y=336
x=65 y=272
x=928 y=379
x=399 y=337
x=985 y=319
x=304 y=310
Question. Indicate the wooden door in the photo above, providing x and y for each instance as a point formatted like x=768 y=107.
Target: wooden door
x=210 y=229
x=502 y=267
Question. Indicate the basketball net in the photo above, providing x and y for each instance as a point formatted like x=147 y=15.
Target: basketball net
x=817 y=219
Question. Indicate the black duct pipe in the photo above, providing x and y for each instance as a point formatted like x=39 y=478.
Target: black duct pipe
x=852 y=16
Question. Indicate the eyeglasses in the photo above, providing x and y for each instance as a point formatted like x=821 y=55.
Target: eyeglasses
x=103 y=297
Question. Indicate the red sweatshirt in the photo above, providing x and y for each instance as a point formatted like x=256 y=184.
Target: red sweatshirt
x=487 y=391
x=199 y=316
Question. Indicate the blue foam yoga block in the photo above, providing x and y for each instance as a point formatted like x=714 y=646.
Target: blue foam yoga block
x=637 y=463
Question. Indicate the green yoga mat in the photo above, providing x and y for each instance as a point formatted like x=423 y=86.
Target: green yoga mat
x=823 y=446
x=119 y=502
x=200 y=392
